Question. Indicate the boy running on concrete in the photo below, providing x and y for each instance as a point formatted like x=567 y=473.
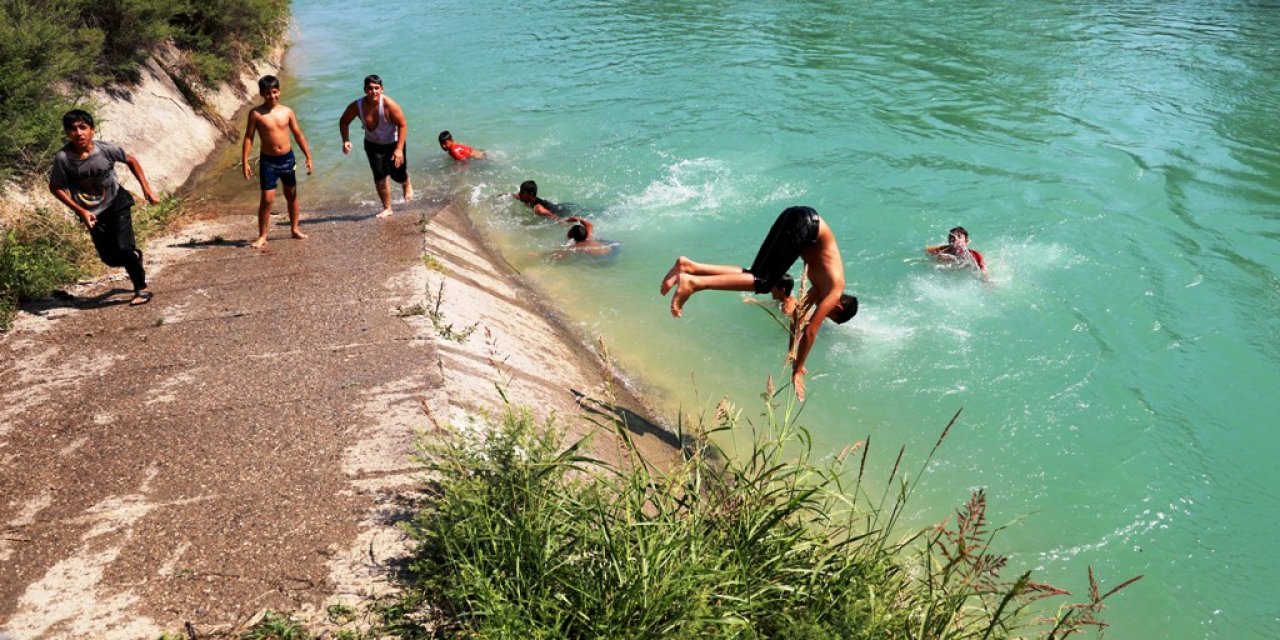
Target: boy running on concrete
x=274 y=122
x=385 y=130
x=84 y=179
x=798 y=233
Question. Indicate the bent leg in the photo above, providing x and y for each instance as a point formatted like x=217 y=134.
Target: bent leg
x=686 y=266
x=686 y=285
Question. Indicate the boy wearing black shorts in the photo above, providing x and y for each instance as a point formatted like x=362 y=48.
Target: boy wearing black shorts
x=84 y=179
x=797 y=233
x=385 y=129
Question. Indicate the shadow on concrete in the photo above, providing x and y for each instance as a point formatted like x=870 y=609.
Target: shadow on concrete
x=635 y=423
x=63 y=300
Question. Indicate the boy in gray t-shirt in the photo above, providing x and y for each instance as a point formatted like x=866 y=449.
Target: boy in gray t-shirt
x=84 y=179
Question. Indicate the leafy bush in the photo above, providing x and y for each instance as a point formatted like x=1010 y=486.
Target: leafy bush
x=51 y=51
x=528 y=539
x=50 y=249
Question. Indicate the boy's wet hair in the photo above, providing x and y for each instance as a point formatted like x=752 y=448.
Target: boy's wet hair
x=70 y=118
x=577 y=233
x=373 y=78
x=848 y=309
x=529 y=188
x=785 y=284
x=957 y=231
x=267 y=83
x=444 y=136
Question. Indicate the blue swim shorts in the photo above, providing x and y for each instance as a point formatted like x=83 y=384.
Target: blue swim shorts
x=271 y=168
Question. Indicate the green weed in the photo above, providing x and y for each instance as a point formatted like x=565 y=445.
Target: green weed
x=531 y=538
x=275 y=626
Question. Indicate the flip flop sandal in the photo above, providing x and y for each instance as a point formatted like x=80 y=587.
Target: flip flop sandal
x=140 y=298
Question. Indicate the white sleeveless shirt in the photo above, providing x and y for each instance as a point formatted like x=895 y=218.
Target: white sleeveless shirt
x=386 y=132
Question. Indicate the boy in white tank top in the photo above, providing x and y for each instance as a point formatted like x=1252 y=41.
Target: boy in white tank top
x=385 y=129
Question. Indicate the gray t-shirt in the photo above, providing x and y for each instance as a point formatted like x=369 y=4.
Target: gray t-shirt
x=92 y=181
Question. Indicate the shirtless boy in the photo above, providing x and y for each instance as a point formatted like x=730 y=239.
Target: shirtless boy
x=385 y=129
x=798 y=233
x=528 y=194
x=958 y=253
x=457 y=150
x=84 y=179
x=274 y=122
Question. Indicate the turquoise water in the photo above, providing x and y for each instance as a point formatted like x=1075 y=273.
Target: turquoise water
x=1116 y=162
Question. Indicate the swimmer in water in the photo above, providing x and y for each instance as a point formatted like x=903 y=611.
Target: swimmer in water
x=583 y=236
x=957 y=252
x=528 y=194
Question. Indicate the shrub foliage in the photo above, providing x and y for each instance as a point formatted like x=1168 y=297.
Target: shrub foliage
x=529 y=539
x=51 y=50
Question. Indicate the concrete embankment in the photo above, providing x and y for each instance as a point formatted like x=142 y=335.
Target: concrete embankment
x=244 y=441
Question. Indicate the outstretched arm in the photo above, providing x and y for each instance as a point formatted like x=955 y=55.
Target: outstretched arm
x=344 y=127
x=136 y=168
x=248 y=146
x=543 y=211
x=582 y=221
x=64 y=196
x=302 y=140
x=808 y=337
x=396 y=116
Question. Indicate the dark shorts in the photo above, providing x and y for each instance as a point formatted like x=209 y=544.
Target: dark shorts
x=381 y=163
x=795 y=229
x=112 y=236
x=271 y=168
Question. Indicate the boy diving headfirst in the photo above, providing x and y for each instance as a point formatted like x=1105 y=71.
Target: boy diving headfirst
x=798 y=233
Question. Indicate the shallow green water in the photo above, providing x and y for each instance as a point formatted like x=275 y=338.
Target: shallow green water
x=1116 y=162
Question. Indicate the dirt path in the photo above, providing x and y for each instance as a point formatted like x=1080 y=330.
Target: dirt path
x=242 y=442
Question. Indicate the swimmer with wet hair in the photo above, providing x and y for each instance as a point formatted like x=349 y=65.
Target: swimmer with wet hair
x=957 y=252
x=528 y=194
x=457 y=150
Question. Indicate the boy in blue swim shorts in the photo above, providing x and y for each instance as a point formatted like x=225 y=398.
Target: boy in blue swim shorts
x=276 y=164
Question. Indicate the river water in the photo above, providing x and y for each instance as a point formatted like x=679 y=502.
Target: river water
x=1116 y=163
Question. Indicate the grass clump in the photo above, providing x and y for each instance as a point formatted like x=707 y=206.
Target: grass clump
x=532 y=539
x=47 y=250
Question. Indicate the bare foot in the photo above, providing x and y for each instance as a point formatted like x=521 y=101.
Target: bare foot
x=669 y=280
x=298 y=234
x=684 y=289
x=259 y=243
x=385 y=213
x=408 y=191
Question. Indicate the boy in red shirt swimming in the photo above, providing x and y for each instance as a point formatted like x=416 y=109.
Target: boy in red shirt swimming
x=457 y=150
x=958 y=253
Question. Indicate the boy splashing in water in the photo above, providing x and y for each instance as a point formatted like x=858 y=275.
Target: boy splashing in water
x=798 y=233
x=275 y=122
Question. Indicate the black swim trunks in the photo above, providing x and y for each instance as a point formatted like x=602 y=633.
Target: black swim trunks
x=282 y=167
x=382 y=165
x=795 y=229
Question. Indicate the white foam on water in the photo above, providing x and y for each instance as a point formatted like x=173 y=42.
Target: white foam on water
x=699 y=184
